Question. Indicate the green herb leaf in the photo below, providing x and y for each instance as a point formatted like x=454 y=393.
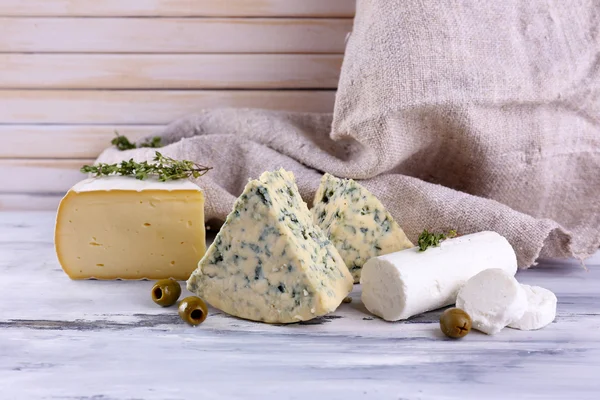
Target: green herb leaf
x=163 y=167
x=122 y=143
x=429 y=239
x=154 y=142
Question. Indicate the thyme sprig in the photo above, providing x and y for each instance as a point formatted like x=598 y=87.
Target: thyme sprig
x=122 y=143
x=163 y=167
x=430 y=239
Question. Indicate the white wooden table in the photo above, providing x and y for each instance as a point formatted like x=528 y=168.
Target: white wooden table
x=63 y=339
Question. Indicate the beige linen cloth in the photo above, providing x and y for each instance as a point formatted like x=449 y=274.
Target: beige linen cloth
x=472 y=115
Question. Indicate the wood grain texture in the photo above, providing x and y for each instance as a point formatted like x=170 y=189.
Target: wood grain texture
x=169 y=71
x=173 y=35
x=41 y=176
x=68 y=80
x=87 y=333
x=179 y=8
x=145 y=106
x=29 y=202
x=64 y=141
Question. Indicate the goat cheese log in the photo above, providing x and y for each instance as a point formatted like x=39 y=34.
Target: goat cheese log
x=493 y=299
x=356 y=222
x=541 y=309
x=399 y=285
x=269 y=262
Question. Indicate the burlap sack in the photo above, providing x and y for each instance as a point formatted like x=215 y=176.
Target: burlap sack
x=470 y=115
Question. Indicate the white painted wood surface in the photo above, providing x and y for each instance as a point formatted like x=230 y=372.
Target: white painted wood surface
x=63 y=339
x=113 y=107
x=73 y=71
x=52 y=176
x=29 y=202
x=173 y=35
x=170 y=71
x=178 y=8
x=64 y=141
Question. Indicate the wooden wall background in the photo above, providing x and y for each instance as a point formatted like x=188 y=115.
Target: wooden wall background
x=74 y=71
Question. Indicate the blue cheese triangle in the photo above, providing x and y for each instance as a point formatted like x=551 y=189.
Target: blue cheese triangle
x=269 y=262
x=356 y=222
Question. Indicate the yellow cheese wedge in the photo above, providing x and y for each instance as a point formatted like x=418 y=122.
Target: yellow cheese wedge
x=124 y=228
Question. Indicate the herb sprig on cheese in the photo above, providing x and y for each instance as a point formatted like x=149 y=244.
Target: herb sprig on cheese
x=163 y=167
x=429 y=239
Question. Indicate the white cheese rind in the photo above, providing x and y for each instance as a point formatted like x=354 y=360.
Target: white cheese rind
x=541 y=309
x=269 y=262
x=117 y=182
x=493 y=299
x=356 y=222
x=399 y=285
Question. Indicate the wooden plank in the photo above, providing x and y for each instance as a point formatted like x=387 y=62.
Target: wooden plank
x=45 y=176
x=29 y=202
x=178 y=8
x=172 y=71
x=64 y=141
x=173 y=35
x=145 y=106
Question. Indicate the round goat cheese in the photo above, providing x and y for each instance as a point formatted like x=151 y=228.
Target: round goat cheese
x=541 y=309
x=493 y=299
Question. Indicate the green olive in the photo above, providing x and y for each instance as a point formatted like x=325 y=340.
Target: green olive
x=193 y=310
x=166 y=292
x=455 y=323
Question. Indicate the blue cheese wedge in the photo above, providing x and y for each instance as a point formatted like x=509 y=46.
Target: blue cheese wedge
x=269 y=262
x=356 y=222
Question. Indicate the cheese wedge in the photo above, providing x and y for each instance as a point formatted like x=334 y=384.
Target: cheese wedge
x=269 y=262
x=356 y=222
x=124 y=228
